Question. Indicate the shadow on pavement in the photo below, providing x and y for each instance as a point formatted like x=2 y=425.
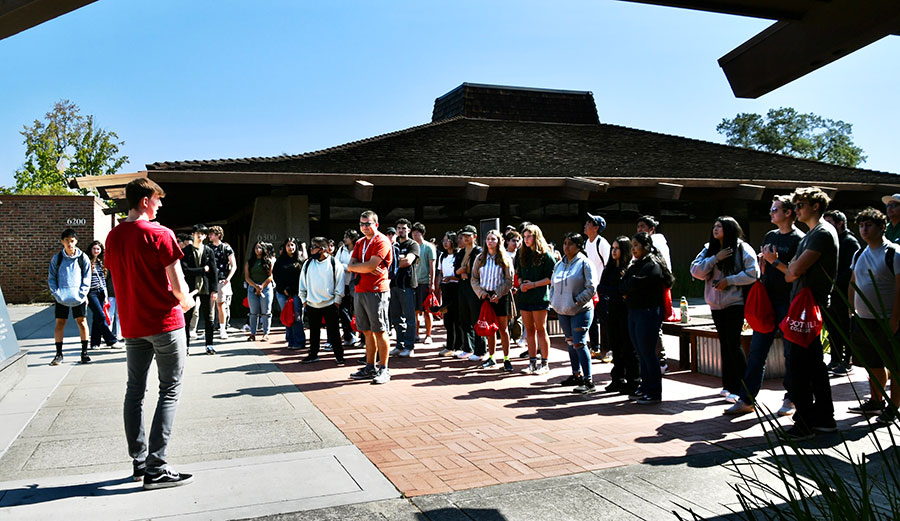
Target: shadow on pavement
x=34 y=494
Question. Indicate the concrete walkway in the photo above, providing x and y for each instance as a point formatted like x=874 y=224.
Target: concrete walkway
x=257 y=445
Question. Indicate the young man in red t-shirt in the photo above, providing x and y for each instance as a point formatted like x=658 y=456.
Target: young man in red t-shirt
x=370 y=260
x=143 y=258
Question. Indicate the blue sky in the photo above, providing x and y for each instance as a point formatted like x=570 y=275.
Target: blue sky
x=207 y=80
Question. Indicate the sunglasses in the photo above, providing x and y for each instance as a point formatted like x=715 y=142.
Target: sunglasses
x=773 y=209
x=363 y=225
x=892 y=205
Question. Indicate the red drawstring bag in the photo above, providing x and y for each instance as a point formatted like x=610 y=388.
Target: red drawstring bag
x=287 y=313
x=803 y=322
x=487 y=320
x=353 y=324
x=758 y=309
x=432 y=304
x=670 y=314
x=246 y=302
x=106 y=313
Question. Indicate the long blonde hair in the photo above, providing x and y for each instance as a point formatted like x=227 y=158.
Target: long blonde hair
x=501 y=258
x=533 y=255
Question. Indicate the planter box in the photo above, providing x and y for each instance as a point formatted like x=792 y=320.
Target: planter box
x=706 y=355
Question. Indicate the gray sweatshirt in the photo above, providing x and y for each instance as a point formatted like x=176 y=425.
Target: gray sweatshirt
x=704 y=268
x=572 y=285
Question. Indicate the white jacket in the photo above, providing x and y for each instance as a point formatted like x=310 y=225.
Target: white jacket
x=704 y=268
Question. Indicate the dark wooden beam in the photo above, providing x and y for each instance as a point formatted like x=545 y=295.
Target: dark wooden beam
x=19 y=15
x=477 y=192
x=363 y=190
x=789 y=50
x=669 y=191
x=748 y=192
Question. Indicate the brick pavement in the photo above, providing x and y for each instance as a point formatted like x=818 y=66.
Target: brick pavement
x=442 y=425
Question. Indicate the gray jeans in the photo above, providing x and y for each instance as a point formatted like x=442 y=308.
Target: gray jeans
x=170 y=350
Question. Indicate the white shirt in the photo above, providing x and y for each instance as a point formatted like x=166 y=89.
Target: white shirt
x=660 y=243
x=598 y=260
x=870 y=265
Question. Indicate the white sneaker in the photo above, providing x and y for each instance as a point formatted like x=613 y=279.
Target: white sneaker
x=738 y=408
x=395 y=351
x=118 y=345
x=444 y=352
x=724 y=393
x=542 y=369
x=522 y=342
x=327 y=347
x=223 y=332
x=463 y=354
x=474 y=358
x=383 y=376
x=405 y=353
x=732 y=398
x=787 y=408
x=246 y=328
x=427 y=340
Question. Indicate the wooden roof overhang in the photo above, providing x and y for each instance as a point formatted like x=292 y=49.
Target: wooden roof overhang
x=188 y=189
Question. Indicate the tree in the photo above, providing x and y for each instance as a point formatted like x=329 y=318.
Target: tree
x=65 y=145
x=787 y=132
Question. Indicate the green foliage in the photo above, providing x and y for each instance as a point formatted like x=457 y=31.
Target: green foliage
x=787 y=132
x=65 y=145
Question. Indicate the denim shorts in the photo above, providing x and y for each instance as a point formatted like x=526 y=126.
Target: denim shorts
x=540 y=306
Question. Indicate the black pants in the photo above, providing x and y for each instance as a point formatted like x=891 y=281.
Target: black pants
x=598 y=334
x=469 y=309
x=729 y=322
x=332 y=329
x=810 y=387
x=626 y=368
x=837 y=319
x=206 y=314
x=450 y=300
x=346 y=312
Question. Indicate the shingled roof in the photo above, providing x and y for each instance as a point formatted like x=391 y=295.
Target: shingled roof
x=462 y=145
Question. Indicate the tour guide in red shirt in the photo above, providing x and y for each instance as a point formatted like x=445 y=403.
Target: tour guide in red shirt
x=143 y=258
x=370 y=260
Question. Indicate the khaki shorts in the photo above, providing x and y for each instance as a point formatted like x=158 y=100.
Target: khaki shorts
x=371 y=310
x=225 y=289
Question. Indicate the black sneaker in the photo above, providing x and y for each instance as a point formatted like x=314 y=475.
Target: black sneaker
x=310 y=360
x=490 y=362
x=648 y=400
x=340 y=362
x=140 y=468
x=842 y=370
x=636 y=395
x=366 y=373
x=507 y=366
x=57 y=360
x=798 y=433
x=586 y=387
x=826 y=426
x=870 y=406
x=523 y=354
x=887 y=417
x=166 y=479
x=85 y=359
x=573 y=380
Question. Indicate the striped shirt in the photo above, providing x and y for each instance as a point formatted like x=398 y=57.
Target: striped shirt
x=491 y=274
x=98 y=280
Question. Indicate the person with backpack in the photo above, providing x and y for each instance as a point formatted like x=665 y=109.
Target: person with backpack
x=69 y=279
x=728 y=265
x=321 y=290
x=625 y=373
x=572 y=288
x=597 y=250
x=403 y=290
x=643 y=285
x=779 y=246
x=876 y=275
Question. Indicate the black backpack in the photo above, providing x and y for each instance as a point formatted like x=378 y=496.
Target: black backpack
x=82 y=261
x=888 y=257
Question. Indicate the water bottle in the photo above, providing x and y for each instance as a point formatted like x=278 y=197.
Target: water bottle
x=684 y=311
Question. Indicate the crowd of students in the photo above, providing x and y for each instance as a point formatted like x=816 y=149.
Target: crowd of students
x=609 y=298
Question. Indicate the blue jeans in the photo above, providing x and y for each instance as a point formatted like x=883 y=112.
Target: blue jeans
x=114 y=316
x=99 y=329
x=170 y=351
x=756 y=362
x=260 y=309
x=295 y=335
x=402 y=311
x=575 y=327
x=643 y=328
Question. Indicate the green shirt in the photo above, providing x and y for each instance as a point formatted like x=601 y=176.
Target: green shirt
x=258 y=272
x=892 y=233
x=544 y=270
x=426 y=260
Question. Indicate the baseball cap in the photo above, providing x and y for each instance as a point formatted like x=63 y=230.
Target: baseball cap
x=468 y=230
x=888 y=198
x=390 y=230
x=599 y=221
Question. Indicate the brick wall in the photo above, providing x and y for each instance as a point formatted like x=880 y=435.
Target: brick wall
x=30 y=226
